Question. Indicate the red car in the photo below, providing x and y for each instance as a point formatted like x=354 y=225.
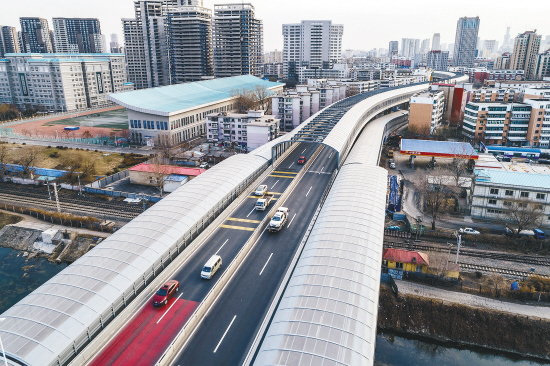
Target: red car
x=302 y=160
x=166 y=292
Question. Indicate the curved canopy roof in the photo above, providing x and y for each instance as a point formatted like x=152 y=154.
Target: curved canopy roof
x=328 y=312
x=174 y=99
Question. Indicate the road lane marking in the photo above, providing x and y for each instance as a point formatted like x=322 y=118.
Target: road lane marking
x=274 y=184
x=266 y=264
x=309 y=190
x=225 y=242
x=321 y=170
x=280 y=176
x=243 y=220
x=238 y=227
x=291 y=220
x=223 y=336
x=290 y=165
x=166 y=312
x=330 y=156
x=304 y=150
x=254 y=209
x=276 y=171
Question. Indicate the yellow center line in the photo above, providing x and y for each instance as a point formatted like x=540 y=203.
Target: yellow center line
x=275 y=171
x=238 y=227
x=243 y=220
x=281 y=176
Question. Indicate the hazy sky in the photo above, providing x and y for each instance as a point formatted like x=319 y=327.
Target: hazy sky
x=367 y=23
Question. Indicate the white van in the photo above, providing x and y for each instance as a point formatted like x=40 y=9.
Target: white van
x=213 y=264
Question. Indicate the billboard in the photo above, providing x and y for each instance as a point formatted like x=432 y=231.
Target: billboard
x=99 y=80
x=23 y=84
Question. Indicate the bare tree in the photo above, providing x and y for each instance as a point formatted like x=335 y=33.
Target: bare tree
x=352 y=90
x=261 y=95
x=522 y=214
x=26 y=157
x=4 y=155
x=419 y=130
x=434 y=190
x=86 y=135
x=160 y=171
x=439 y=263
x=245 y=100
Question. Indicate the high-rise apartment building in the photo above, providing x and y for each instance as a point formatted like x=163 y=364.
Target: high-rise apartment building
x=425 y=46
x=35 y=35
x=436 y=42
x=409 y=47
x=543 y=65
x=61 y=82
x=524 y=56
x=114 y=46
x=8 y=40
x=313 y=44
x=273 y=57
x=190 y=43
x=466 y=41
x=146 y=45
x=503 y=62
x=438 y=60
x=393 y=48
x=77 y=35
x=489 y=48
x=237 y=37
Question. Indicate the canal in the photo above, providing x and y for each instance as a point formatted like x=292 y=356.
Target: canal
x=397 y=350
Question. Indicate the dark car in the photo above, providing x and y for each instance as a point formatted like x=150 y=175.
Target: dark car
x=166 y=292
x=302 y=160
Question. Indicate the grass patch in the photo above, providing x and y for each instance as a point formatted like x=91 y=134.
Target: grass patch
x=8 y=219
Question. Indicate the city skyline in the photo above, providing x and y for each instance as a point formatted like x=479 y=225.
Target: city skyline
x=276 y=14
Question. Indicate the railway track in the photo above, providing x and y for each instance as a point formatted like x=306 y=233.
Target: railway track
x=518 y=258
x=90 y=210
x=503 y=271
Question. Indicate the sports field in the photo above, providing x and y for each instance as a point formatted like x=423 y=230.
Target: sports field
x=99 y=123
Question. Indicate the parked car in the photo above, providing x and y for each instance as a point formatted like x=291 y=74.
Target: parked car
x=392 y=165
x=390 y=161
x=468 y=230
x=319 y=139
x=394 y=228
x=302 y=160
x=166 y=292
x=204 y=165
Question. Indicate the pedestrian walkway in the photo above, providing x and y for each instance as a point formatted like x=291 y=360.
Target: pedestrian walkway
x=30 y=222
x=411 y=288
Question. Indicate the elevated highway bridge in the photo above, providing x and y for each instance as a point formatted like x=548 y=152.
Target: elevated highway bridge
x=98 y=310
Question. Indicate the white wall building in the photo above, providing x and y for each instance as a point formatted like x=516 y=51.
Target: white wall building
x=232 y=129
x=61 y=82
x=493 y=191
x=311 y=44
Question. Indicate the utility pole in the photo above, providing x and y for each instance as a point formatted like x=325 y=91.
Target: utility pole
x=458 y=242
x=79 y=185
x=56 y=197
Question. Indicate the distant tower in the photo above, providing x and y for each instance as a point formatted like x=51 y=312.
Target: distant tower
x=35 y=35
x=436 y=43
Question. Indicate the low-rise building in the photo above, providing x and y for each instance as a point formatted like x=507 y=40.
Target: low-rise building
x=260 y=132
x=426 y=111
x=295 y=106
x=494 y=192
x=508 y=123
x=177 y=113
x=61 y=82
x=171 y=176
x=493 y=95
x=232 y=129
x=406 y=260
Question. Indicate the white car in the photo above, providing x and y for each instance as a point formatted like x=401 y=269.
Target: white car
x=204 y=165
x=260 y=190
x=392 y=165
x=468 y=230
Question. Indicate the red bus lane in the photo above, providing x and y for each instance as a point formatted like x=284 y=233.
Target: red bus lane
x=143 y=340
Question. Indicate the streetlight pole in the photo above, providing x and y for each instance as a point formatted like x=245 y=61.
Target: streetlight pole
x=1 y=344
x=458 y=242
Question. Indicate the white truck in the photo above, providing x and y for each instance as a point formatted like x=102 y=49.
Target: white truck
x=263 y=202
x=278 y=220
x=261 y=190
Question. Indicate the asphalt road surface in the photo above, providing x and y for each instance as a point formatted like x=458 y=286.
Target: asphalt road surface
x=146 y=336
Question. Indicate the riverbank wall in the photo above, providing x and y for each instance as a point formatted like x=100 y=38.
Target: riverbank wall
x=457 y=323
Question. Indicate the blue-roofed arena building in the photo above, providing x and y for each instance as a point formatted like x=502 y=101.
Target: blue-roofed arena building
x=177 y=113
